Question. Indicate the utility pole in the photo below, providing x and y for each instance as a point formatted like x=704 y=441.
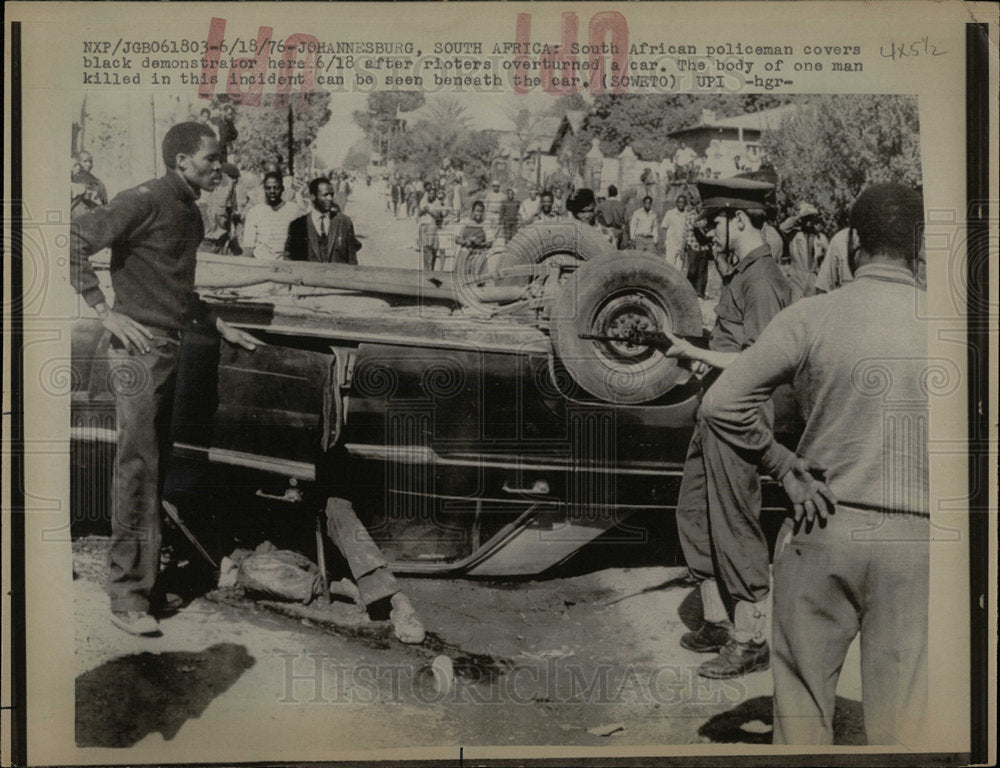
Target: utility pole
x=291 y=141
x=152 y=112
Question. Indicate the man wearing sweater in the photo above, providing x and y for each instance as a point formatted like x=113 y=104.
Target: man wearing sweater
x=154 y=231
x=858 y=561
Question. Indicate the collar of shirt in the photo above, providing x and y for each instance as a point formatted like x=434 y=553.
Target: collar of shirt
x=317 y=215
x=889 y=272
x=178 y=186
x=757 y=253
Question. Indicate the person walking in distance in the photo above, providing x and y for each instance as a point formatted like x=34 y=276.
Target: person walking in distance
x=855 y=557
x=154 y=231
x=674 y=229
x=718 y=509
x=642 y=227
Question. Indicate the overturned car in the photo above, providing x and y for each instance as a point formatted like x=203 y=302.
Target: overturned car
x=490 y=421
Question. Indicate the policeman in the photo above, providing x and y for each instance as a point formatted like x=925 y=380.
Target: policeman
x=718 y=510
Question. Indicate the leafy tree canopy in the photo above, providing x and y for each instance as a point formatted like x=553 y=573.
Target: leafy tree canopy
x=383 y=106
x=832 y=147
x=263 y=131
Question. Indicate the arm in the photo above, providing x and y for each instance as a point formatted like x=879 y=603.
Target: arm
x=731 y=409
x=250 y=233
x=352 y=244
x=93 y=232
x=687 y=350
x=236 y=336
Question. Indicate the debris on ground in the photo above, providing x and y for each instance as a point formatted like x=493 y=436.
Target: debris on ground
x=281 y=574
x=611 y=729
x=558 y=653
x=444 y=674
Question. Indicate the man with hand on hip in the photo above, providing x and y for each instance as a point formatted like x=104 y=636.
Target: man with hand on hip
x=154 y=231
x=856 y=556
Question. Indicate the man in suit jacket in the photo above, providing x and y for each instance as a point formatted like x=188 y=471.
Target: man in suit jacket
x=324 y=234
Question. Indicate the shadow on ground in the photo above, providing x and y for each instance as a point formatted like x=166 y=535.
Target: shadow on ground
x=122 y=701
x=752 y=722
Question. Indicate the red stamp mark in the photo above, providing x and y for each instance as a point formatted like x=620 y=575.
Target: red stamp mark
x=560 y=67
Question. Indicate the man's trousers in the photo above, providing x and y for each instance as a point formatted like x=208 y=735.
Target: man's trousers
x=697 y=271
x=861 y=571
x=143 y=385
x=369 y=568
x=718 y=518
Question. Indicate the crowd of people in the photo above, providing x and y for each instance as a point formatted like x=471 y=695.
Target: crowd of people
x=270 y=216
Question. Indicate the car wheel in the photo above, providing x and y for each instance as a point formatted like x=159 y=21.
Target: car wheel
x=609 y=297
x=538 y=242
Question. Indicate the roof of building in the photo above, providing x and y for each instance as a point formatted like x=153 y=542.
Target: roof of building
x=766 y=119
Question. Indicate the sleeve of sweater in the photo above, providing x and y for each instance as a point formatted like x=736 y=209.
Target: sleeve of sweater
x=98 y=229
x=731 y=406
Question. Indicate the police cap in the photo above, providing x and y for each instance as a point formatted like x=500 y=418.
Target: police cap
x=733 y=195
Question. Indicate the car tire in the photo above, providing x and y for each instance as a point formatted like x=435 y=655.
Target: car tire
x=607 y=296
x=535 y=243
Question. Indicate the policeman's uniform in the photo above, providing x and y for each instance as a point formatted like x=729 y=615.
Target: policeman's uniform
x=718 y=510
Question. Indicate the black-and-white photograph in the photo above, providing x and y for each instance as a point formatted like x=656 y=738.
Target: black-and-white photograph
x=447 y=415
x=411 y=422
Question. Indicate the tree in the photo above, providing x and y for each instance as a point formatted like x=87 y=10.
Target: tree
x=442 y=132
x=527 y=130
x=476 y=153
x=449 y=111
x=358 y=156
x=383 y=107
x=568 y=103
x=832 y=147
x=263 y=131
x=643 y=122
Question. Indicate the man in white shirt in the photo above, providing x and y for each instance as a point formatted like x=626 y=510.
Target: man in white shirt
x=529 y=207
x=674 y=227
x=266 y=227
x=492 y=200
x=642 y=227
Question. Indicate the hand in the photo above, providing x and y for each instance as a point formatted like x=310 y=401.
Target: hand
x=810 y=497
x=679 y=347
x=700 y=369
x=133 y=335
x=236 y=336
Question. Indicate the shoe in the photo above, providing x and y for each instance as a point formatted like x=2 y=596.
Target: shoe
x=136 y=622
x=709 y=637
x=167 y=602
x=406 y=625
x=737 y=659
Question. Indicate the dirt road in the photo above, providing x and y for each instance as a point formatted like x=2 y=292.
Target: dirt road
x=545 y=662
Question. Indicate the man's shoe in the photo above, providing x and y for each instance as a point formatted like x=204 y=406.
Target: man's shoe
x=709 y=637
x=165 y=603
x=136 y=622
x=406 y=625
x=737 y=659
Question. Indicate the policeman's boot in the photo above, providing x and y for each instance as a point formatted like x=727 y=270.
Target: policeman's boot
x=708 y=638
x=717 y=629
x=747 y=650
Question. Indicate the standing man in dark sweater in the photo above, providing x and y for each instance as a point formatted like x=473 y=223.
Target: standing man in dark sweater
x=718 y=509
x=154 y=231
